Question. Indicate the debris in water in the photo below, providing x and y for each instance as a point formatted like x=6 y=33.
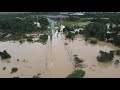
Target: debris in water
x=4 y=68
x=66 y=43
x=18 y=60
x=117 y=61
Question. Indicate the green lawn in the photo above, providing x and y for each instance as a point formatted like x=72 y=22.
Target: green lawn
x=82 y=23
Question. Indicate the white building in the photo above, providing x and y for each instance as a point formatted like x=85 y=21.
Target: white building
x=38 y=24
x=108 y=25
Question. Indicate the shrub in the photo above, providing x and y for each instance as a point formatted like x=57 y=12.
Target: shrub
x=43 y=38
x=93 y=41
x=13 y=70
x=117 y=52
x=5 y=55
x=29 y=39
x=105 y=57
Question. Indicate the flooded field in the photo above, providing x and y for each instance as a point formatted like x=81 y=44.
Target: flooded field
x=89 y=52
x=55 y=59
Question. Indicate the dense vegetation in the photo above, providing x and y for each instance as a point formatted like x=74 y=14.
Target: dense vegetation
x=5 y=55
x=92 y=40
x=43 y=38
x=105 y=56
x=15 y=28
x=97 y=30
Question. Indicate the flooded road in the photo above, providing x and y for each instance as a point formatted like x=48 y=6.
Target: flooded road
x=59 y=63
x=55 y=59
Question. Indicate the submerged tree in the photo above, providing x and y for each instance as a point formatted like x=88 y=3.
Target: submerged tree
x=5 y=55
x=96 y=30
x=105 y=56
x=13 y=70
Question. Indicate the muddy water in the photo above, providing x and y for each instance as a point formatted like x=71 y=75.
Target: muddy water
x=54 y=60
x=50 y=60
x=88 y=53
x=31 y=59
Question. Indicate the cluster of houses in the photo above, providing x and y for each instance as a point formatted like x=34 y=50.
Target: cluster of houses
x=110 y=32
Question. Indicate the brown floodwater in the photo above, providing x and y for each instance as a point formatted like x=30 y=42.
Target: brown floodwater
x=88 y=52
x=55 y=59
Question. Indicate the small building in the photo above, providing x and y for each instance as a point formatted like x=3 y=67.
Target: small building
x=38 y=24
x=108 y=25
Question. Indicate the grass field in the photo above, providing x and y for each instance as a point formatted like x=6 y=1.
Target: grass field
x=82 y=23
x=77 y=74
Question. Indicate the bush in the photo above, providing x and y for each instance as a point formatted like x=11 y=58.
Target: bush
x=5 y=55
x=77 y=74
x=93 y=41
x=29 y=40
x=43 y=38
x=117 y=52
x=105 y=57
x=77 y=60
x=13 y=70
x=21 y=41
